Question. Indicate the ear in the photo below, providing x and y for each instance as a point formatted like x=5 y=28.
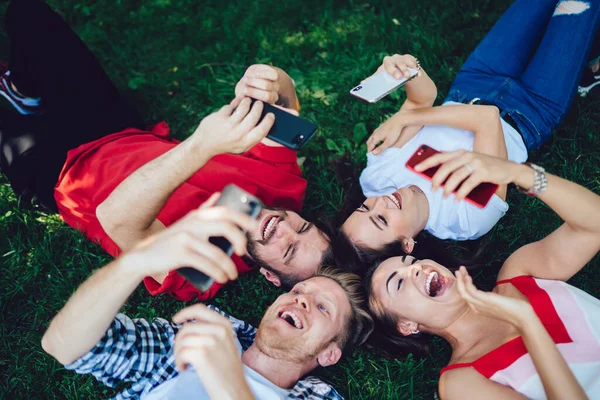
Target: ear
x=330 y=355
x=271 y=277
x=406 y=328
x=408 y=244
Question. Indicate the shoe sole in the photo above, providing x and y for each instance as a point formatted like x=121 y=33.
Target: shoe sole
x=583 y=91
x=16 y=105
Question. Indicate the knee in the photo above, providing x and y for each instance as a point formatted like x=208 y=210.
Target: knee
x=570 y=7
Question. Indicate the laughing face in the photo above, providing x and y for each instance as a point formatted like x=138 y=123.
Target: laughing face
x=302 y=325
x=286 y=244
x=421 y=294
x=381 y=220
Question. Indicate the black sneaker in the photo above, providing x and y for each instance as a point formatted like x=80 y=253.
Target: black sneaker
x=589 y=81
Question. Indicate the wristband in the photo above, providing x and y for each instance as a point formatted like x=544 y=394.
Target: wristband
x=540 y=181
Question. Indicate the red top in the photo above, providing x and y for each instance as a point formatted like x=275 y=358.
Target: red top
x=505 y=355
x=93 y=170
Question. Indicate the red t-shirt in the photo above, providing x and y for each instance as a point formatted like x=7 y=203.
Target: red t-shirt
x=93 y=170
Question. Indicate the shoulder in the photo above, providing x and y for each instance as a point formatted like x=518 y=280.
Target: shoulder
x=313 y=388
x=456 y=382
x=467 y=383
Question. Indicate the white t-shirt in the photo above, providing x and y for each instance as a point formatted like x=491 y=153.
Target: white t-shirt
x=188 y=385
x=448 y=219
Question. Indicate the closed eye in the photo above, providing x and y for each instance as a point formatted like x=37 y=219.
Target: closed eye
x=399 y=283
x=304 y=227
x=287 y=251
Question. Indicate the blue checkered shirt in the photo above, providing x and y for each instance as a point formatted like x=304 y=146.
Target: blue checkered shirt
x=141 y=353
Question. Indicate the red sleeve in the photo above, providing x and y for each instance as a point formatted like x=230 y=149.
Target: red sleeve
x=178 y=287
x=281 y=182
x=279 y=156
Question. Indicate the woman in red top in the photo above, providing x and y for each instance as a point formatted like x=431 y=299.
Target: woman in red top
x=534 y=335
x=77 y=145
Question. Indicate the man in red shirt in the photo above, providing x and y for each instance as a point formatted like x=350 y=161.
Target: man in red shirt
x=119 y=188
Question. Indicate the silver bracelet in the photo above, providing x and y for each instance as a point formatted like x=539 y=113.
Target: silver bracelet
x=540 y=181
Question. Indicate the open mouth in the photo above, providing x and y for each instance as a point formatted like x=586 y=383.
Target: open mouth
x=268 y=228
x=396 y=199
x=292 y=319
x=435 y=284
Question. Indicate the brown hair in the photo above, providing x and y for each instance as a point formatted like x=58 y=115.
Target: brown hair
x=360 y=324
x=385 y=338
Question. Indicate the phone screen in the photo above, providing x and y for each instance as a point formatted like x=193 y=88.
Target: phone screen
x=479 y=196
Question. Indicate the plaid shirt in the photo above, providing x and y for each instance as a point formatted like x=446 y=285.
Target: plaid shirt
x=141 y=353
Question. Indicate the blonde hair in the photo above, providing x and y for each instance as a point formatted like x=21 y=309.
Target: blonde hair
x=360 y=324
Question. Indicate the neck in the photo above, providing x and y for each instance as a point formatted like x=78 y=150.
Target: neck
x=282 y=373
x=422 y=206
x=471 y=329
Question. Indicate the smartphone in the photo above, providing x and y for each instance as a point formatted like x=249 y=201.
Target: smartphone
x=235 y=199
x=288 y=130
x=479 y=196
x=380 y=85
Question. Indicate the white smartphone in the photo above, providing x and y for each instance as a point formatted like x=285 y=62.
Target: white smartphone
x=380 y=85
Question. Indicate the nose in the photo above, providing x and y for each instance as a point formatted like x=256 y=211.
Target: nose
x=302 y=301
x=416 y=270
x=285 y=230
x=379 y=204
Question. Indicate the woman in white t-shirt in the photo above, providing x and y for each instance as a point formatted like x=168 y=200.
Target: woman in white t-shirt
x=510 y=94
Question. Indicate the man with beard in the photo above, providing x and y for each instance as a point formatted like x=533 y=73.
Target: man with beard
x=82 y=151
x=197 y=356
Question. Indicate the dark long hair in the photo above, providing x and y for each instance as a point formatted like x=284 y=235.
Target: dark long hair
x=386 y=339
x=427 y=245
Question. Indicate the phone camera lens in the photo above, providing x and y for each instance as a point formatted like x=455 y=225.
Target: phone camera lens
x=423 y=147
x=356 y=89
x=299 y=139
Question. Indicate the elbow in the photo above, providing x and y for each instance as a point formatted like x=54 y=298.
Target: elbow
x=492 y=113
x=488 y=116
x=103 y=215
x=52 y=348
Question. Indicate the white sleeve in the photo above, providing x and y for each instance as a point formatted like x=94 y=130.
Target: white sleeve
x=483 y=220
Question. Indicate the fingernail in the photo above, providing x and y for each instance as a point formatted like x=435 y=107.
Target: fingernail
x=398 y=76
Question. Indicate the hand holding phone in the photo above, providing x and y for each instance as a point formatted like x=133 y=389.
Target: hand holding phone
x=380 y=85
x=237 y=200
x=288 y=130
x=459 y=180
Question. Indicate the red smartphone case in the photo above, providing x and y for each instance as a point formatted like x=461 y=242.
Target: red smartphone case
x=479 y=196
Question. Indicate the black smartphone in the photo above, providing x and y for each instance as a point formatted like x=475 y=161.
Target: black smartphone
x=235 y=199
x=288 y=130
x=479 y=196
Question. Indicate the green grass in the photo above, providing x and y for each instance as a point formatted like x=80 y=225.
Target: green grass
x=178 y=60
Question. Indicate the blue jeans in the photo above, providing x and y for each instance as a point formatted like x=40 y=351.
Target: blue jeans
x=531 y=62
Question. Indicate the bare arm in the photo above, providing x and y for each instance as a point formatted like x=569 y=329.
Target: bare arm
x=421 y=92
x=84 y=319
x=468 y=384
x=556 y=376
x=569 y=248
x=129 y=213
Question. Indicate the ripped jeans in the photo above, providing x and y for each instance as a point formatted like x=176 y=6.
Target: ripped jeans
x=530 y=63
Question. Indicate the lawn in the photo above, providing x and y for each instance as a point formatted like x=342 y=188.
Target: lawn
x=178 y=60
